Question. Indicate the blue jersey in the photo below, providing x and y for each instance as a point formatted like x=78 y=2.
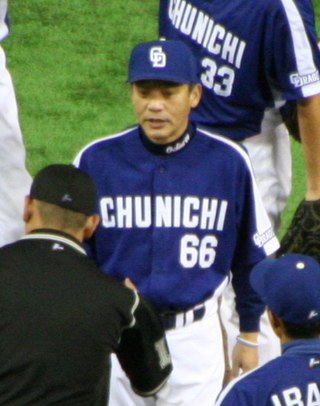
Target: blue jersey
x=4 y=26
x=290 y=380
x=253 y=54
x=175 y=219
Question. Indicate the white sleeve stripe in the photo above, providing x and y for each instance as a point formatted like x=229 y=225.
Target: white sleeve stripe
x=262 y=219
x=301 y=44
x=231 y=144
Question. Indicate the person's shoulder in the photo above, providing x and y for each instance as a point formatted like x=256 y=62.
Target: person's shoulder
x=271 y=8
x=248 y=386
x=223 y=143
x=107 y=141
x=11 y=248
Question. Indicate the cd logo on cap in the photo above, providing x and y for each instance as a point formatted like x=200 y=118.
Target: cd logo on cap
x=157 y=57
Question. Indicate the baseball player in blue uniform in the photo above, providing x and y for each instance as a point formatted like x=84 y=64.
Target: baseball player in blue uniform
x=254 y=55
x=179 y=208
x=289 y=286
x=15 y=180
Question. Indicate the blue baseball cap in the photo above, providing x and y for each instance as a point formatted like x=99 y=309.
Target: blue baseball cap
x=165 y=60
x=290 y=287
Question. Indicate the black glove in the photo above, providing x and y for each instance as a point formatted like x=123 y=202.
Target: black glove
x=303 y=235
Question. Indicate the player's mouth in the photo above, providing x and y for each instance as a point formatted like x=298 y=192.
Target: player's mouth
x=156 y=122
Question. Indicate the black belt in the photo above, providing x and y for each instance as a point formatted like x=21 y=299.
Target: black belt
x=171 y=320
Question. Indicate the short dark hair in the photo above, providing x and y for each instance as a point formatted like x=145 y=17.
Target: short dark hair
x=150 y=83
x=296 y=331
x=60 y=217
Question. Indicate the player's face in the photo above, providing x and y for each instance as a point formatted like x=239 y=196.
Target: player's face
x=163 y=108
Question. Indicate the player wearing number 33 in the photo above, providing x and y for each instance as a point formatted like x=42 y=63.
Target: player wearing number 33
x=179 y=208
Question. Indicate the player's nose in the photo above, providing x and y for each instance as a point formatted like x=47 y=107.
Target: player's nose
x=155 y=104
x=155 y=101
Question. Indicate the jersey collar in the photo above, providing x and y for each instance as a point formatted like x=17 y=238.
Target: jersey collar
x=57 y=236
x=172 y=147
x=302 y=346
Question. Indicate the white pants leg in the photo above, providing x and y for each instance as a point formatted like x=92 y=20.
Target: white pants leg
x=271 y=160
x=198 y=369
x=15 y=180
x=270 y=155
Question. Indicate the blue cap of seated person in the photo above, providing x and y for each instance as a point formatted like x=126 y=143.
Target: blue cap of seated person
x=165 y=60
x=290 y=287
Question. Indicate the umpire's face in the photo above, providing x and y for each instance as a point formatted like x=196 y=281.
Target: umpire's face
x=163 y=108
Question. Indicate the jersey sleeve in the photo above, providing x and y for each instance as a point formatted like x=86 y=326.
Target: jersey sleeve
x=143 y=351
x=256 y=241
x=257 y=238
x=292 y=57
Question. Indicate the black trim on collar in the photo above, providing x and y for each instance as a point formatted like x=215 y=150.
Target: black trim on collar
x=172 y=147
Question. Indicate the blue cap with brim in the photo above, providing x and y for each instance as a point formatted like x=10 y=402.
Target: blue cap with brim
x=163 y=60
x=290 y=287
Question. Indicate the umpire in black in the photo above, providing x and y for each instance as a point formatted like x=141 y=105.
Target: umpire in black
x=60 y=316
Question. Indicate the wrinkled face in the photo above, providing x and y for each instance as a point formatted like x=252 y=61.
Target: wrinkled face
x=162 y=108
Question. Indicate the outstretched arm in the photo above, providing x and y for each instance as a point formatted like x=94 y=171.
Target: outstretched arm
x=303 y=234
x=309 y=125
x=143 y=351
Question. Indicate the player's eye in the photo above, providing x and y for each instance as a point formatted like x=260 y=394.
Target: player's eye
x=143 y=92
x=168 y=92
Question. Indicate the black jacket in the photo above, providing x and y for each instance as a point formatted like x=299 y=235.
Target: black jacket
x=60 y=318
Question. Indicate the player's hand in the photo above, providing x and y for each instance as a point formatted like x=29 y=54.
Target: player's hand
x=129 y=284
x=244 y=357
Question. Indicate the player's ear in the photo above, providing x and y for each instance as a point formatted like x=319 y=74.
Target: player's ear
x=91 y=225
x=195 y=94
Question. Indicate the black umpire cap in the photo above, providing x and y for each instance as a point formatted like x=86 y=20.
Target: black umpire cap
x=65 y=186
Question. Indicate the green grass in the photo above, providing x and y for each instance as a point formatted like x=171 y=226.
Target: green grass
x=68 y=60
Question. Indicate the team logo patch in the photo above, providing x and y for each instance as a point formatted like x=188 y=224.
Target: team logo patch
x=302 y=80
x=261 y=239
x=157 y=57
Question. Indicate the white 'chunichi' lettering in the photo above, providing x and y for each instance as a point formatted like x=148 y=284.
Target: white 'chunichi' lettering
x=189 y=212
x=205 y=31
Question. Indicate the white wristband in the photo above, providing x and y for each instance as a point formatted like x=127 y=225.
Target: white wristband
x=248 y=343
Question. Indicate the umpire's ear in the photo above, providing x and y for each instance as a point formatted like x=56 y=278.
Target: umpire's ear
x=91 y=225
x=28 y=209
x=31 y=214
